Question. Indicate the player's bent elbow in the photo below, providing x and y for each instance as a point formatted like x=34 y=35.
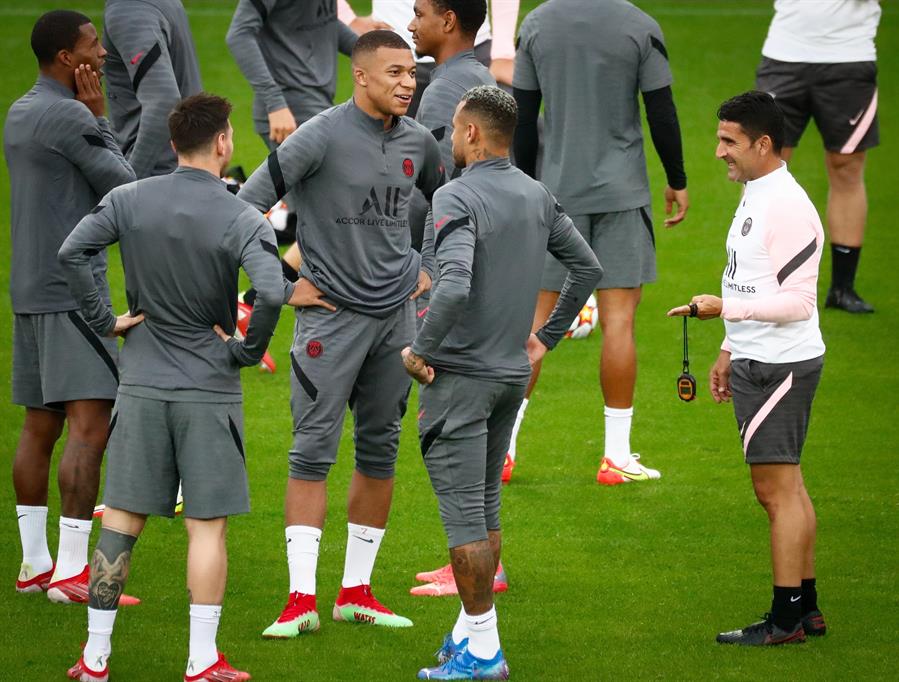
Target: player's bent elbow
x=270 y=298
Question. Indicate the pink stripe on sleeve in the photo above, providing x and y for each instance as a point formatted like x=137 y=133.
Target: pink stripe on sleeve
x=862 y=127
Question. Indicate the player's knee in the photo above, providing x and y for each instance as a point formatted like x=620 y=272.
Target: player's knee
x=379 y=467
x=846 y=170
x=304 y=470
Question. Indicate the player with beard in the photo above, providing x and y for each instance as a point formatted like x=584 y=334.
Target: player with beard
x=179 y=407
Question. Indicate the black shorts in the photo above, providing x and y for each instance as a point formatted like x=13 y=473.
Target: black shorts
x=772 y=404
x=842 y=98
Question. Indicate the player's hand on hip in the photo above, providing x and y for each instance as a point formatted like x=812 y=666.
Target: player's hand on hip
x=719 y=378
x=680 y=198
x=416 y=367
x=306 y=295
x=88 y=90
x=281 y=123
x=221 y=333
x=502 y=70
x=536 y=350
x=704 y=306
x=124 y=322
x=424 y=284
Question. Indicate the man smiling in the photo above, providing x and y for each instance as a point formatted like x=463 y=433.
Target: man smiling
x=350 y=171
x=772 y=355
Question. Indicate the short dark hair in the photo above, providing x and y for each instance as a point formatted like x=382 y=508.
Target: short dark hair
x=758 y=114
x=371 y=41
x=196 y=121
x=469 y=13
x=55 y=31
x=494 y=108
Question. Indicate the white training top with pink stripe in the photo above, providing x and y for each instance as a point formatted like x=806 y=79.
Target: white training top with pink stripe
x=769 y=286
x=823 y=31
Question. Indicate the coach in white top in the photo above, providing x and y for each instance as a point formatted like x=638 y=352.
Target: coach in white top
x=819 y=62
x=772 y=355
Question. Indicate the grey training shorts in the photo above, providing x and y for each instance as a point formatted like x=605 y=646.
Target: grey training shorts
x=345 y=359
x=465 y=425
x=772 y=404
x=58 y=358
x=154 y=444
x=623 y=242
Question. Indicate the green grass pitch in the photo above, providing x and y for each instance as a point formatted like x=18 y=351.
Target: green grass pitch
x=624 y=583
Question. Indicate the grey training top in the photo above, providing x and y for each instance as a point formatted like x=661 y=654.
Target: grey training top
x=449 y=81
x=494 y=226
x=351 y=181
x=183 y=237
x=61 y=160
x=287 y=50
x=590 y=60
x=151 y=66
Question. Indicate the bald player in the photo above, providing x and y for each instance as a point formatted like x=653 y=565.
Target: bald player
x=350 y=172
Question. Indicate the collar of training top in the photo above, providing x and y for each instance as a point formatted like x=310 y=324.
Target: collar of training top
x=369 y=122
x=772 y=178
x=199 y=174
x=488 y=164
x=458 y=57
x=53 y=84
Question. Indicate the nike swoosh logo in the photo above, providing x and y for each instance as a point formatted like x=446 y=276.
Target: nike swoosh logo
x=136 y=57
x=368 y=540
x=794 y=600
x=853 y=121
x=288 y=540
x=69 y=525
x=842 y=249
x=21 y=516
x=440 y=223
x=481 y=622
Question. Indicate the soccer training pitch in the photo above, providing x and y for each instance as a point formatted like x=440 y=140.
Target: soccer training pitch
x=630 y=582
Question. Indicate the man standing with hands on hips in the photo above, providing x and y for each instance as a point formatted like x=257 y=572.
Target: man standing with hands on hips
x=771 y=359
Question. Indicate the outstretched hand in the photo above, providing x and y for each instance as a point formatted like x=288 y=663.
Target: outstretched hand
x=707 y=307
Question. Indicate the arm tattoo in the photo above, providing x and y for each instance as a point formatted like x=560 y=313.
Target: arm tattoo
x=109 y=569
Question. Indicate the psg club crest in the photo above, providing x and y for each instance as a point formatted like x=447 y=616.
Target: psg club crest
x=747 y=225
x=314 y=349
x=408 y=167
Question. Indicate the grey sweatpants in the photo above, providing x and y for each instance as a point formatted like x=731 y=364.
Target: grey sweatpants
x=347 y=358
x=465 y=425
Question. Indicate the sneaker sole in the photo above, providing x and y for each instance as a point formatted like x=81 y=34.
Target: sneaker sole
x=31 y=589
x=57 y=596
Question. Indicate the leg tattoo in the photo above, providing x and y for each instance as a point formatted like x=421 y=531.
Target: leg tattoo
x=109 y=569
x=473 y=568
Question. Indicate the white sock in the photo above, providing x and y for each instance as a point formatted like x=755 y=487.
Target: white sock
x=618 y=435
x=33 y=534
x=483 y=637
x=460 y=629
x=302 y=557
x=513 y=444
x=74 y=535
x=99 y=636
x=362 y=544
x=204 y=625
